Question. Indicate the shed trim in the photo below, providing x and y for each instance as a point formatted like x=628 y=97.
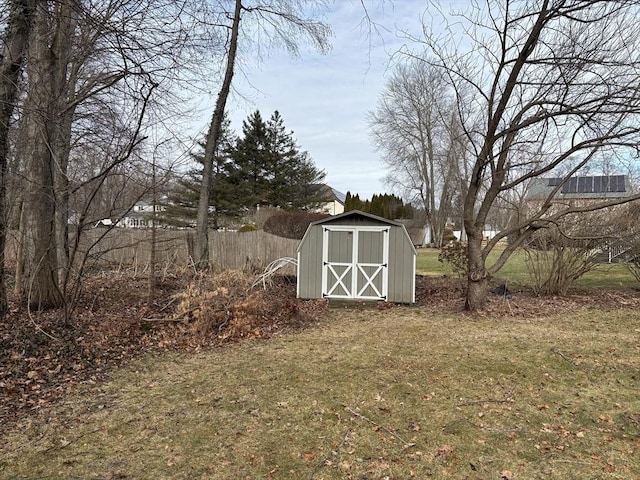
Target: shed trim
x=352 y=278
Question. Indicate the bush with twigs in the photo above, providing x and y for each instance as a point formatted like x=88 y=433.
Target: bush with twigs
x=224 y=306
x=556 y=258
x=454 y=254
x=291 y=224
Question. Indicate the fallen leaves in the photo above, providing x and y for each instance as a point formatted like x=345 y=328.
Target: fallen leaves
x=40 y=365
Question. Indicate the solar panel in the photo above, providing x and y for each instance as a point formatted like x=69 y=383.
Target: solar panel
x=620 y=186
x=582 y=185
x=592 y=184
x=571 y=186
x=597 y=184
x=554 y=182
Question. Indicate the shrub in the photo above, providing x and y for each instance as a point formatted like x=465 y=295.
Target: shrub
x=455 y=255
x=291 y=224
x=248 y=227
x=555 y=261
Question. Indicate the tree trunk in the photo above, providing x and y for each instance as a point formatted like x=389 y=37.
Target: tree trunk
x=477 y=292
x=60 y=129
x=213 y=136
x=18 y=288
x=41 y=269
x=477 y=276
x=154 y=237
x=15 y=42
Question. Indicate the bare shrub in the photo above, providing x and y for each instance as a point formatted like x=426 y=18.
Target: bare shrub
x=626 y=248
x=454 y=254
x=291 y=224
x=555 y=260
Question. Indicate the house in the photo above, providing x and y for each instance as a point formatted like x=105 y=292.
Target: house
x=140 y=216
x=583 y=191
x=332 y=201
x=579 y=189
x=357 y=256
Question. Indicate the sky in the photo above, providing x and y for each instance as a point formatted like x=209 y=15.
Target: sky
x=324 y=99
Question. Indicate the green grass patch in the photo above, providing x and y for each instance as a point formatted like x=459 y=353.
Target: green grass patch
x=515 y=270
x=369 y=394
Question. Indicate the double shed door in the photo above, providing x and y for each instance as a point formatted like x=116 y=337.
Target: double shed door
x=355 y=262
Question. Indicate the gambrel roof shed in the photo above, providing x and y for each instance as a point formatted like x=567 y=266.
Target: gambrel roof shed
x=357 y=256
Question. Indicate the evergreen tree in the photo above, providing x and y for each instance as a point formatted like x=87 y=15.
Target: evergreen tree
x=270 y=168
x=262 y=166
x=294 y=181
x=384 y=205
x=347 y=202
x=250 y=156
x=282 y=162
x=180 y=206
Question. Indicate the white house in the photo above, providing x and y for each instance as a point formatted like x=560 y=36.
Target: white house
x=140 y=216
x=334 y=201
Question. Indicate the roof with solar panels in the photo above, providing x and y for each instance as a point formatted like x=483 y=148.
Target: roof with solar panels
x=582 y=187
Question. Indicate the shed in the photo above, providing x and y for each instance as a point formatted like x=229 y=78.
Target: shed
x=357 y=256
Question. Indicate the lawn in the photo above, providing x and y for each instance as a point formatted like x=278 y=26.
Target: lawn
x=368 y=394
x=515 y=270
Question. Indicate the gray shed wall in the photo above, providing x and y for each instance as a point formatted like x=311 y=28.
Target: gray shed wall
x=310 y=264
x=402 y=255
x=402 y=273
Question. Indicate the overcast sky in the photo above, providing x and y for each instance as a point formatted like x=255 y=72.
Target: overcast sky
x=324 y=99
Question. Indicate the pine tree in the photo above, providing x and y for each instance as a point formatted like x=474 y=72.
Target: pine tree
x=271 y=169
x=180 y=206
x=348 y=202
x=383 y=205
x=295 y=183
x=262 y=166
x=250 y=156
x=283 y=155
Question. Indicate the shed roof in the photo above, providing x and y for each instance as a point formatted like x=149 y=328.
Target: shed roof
x=357 y=214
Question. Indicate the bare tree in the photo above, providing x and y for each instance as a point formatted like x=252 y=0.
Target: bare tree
x=213 y=136
x=408 y=127
x=417 y=129
x=556 y=86
x=86 y=59
x=284 y=23
x=15 y=39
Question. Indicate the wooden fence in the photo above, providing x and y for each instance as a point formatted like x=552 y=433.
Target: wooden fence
x=127 y=247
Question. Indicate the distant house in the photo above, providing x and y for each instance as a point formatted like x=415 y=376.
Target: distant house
x=580 y=189
x=140 y=216
x=332 y=201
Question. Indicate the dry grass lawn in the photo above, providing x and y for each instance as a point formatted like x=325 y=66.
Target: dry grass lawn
x=368 y=394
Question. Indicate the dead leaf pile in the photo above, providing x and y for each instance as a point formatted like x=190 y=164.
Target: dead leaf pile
x=446 y=294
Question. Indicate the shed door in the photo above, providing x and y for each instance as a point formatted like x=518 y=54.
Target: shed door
x=355 y=262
